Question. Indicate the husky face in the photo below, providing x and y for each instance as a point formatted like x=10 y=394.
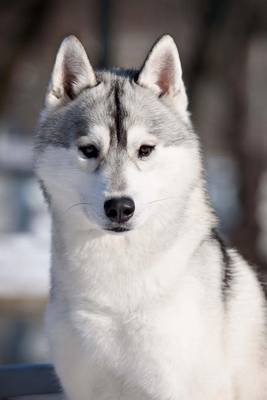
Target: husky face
x=115 y=150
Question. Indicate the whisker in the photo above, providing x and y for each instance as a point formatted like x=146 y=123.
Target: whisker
x=75 y=205
x=150 y=202
x=163 y=199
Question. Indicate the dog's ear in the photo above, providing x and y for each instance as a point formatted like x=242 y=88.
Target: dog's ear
x=72 y=73
x=162 y=71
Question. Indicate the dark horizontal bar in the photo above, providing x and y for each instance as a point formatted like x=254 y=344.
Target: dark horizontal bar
x=28 y=379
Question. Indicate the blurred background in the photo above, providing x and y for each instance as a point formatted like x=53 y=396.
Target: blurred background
x=223 y=48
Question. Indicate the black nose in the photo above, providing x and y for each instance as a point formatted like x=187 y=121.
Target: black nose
x=119 y=209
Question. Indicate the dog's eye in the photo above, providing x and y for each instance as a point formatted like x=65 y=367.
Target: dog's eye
x=145 y=150
x=89 y=151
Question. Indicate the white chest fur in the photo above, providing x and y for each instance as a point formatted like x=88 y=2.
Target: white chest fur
x=146 y=332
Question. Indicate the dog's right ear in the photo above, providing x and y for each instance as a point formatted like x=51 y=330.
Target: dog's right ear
x=72 y=73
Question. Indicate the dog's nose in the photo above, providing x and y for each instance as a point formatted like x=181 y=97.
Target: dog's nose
x=119 y=209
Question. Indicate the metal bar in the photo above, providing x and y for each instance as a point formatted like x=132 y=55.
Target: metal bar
x=27 y=379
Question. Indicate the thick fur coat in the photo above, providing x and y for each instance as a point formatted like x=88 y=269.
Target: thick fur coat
x=146 y=301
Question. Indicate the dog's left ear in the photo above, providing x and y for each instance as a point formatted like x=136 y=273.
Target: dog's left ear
x=162 y=72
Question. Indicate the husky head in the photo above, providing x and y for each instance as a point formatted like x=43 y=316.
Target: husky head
x=115 y=150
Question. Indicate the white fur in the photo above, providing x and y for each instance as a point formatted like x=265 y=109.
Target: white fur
x=139 y=315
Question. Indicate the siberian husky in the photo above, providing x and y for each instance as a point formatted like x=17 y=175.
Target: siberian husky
x=146 y=301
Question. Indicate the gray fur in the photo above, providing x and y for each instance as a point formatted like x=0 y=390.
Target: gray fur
x=116 y=99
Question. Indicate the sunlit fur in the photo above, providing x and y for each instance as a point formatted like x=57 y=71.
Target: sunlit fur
x=144 y=314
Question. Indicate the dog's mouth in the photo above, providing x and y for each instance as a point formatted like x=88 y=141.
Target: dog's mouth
x=118 y=229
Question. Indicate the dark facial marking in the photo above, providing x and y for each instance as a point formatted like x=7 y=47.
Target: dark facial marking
x=119 y=116
x=45 y=192
x=263 y=282
x=227 y=275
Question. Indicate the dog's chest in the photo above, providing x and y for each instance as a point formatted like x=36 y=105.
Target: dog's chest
x=150 y=348
x=151 y=335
